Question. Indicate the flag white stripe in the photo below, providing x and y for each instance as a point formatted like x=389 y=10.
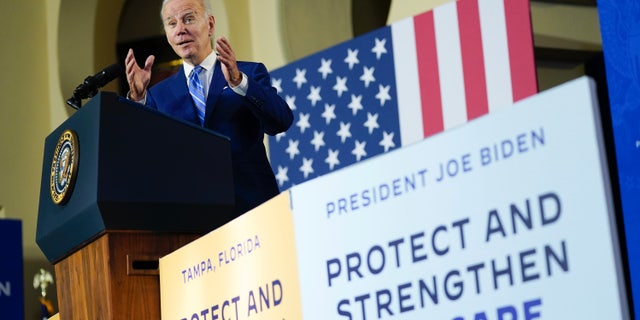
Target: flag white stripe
x=496 y=54
x=454 y=110
x=407 y=81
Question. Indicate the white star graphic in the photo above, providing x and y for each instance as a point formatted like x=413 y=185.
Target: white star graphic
x=358 y=150
x=367 y=76
x=291 y=101
x=372 y=122
x=352 y=58
x=280 y=135
x=387 y=141
x=332 y=158
x=300 y=77
x=329 y=113
x=314 y=95
x=325 y=69
x=345 y=131
x=282 y=176
x=379 y=48
x=383 y=94
x=355 y=104
x=318 y=139
x=292 y=149
x=277 y=83
x=303 y=122
x=341 y=85
x=307 y=167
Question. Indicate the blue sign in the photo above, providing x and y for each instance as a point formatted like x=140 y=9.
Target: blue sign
x=620 y=30
x=11 y=283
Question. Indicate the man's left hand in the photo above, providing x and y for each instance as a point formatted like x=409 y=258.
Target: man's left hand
x=229 y=64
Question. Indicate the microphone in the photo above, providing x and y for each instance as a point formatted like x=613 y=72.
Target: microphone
x=89 y=87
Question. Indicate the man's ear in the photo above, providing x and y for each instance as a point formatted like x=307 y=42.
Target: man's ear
x=212 y=25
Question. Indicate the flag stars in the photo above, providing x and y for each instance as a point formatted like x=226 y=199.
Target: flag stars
x=314 y=95
x=379 y=48
x=300 y=77
x=329 y=112
x=367 y=76
x=282 y=175
x=291 y=101
x=383 y=94
x=280 y=135
x=318 y=140
x=372 y=122
x=352 y=58
x=356 y=104
x=341 y=85
x=332 y=158
x=387 y=141
x=303 y=122
x=307 y=167
x=358 y=150
x=277 y=83
x=325 y=68
x=292 y=149
x=345 y=131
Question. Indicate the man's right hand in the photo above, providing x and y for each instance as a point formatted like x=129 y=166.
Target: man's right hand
x=138 y=78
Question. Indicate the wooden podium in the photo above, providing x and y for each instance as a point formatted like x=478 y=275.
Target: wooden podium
x=123 y=185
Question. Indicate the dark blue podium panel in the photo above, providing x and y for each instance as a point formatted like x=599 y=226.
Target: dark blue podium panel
x=11 y=278
x=137 y=169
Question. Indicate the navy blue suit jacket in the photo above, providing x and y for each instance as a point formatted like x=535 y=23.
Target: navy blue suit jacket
x=243 y=119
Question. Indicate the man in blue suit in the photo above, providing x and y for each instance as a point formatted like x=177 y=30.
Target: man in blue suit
x=233 y=98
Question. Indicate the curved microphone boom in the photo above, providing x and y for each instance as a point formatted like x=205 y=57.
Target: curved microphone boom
x=89 y=87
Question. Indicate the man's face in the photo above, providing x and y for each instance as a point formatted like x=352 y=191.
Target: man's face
x=188 y=30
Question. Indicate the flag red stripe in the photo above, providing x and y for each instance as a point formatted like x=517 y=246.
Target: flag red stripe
x=520 y=42
x=428 y=74
x=472 y=58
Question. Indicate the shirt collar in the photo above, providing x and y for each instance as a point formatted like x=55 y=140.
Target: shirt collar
x=207 y=64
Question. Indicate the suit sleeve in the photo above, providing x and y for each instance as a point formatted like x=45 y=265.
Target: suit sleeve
x=265 y=103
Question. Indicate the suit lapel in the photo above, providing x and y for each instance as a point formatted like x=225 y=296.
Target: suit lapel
x=180 y=92
x=218 y=82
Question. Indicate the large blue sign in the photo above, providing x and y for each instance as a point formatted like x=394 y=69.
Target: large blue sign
x=620 y=29
x=11 y=286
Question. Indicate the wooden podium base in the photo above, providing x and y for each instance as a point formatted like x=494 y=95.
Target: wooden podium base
x=116 y=276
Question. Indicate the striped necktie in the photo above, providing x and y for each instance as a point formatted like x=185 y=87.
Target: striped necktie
x=197 y=92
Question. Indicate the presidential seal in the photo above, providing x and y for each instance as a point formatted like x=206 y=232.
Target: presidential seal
x=64 y=167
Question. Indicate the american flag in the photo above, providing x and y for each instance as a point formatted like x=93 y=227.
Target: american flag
x=402 y=83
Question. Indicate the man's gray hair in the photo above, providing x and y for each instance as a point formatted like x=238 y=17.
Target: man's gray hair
x=206 y=4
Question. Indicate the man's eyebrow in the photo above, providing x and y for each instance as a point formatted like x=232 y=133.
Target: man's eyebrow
x=179 y=16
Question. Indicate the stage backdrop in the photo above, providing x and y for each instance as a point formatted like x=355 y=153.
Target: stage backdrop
x=11 y=281
x=243 y=270
x=401 y=83
x=621 y=44
x=507 y=217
